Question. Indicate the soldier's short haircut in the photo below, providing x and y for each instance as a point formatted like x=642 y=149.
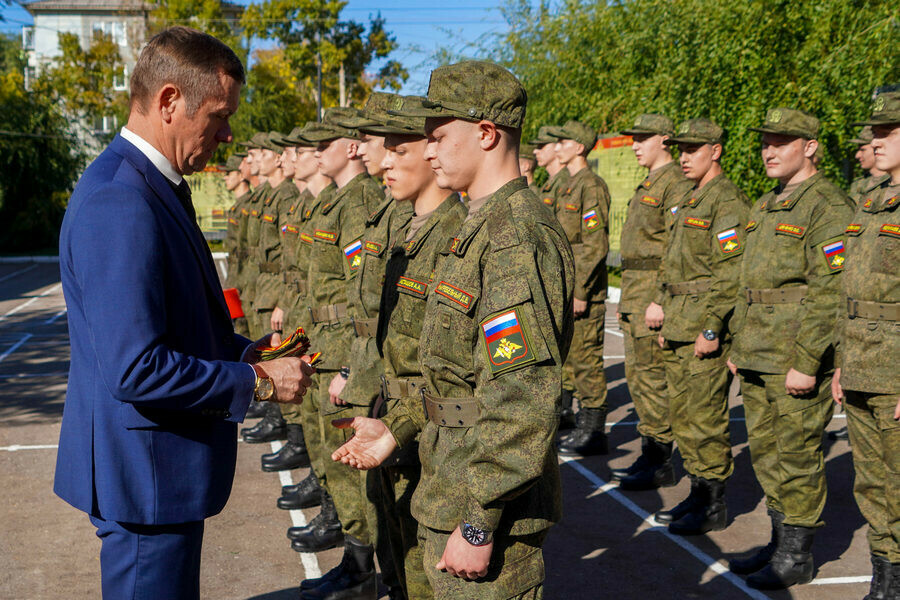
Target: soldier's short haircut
x=190 y=60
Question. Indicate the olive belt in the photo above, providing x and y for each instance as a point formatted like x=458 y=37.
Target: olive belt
x=395 y=388
x=641 y=264
x=451 y=412
x=787 y=295
x=269 y=267
x=874 y=311
x=685 y=288
x=365 y=328
x=331 y=313
x=297 y=280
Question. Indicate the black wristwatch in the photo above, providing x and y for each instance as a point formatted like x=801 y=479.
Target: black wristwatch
x=710 y=335
x=475 y=536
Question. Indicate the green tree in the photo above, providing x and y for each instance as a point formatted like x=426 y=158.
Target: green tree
x=607 y=62
x=209 y=16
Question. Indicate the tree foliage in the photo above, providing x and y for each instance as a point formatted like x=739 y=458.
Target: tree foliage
x=204 y=15
x=604 y=63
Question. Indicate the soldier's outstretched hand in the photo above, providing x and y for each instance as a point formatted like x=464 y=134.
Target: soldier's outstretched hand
x=370 y=445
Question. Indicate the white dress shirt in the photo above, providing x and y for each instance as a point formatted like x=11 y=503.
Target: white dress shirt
x=155 y=156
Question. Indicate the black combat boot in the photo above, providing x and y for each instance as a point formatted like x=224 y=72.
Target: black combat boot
x=792 y=562
x=256 y=410
x=683 y=507
x=893 y=589
x=271 y=428
x=566 y=414
x=840 y=434
x=306 y=494
x=292 y=455
x=881 y=579
x=757 y=559
x=653 y=468
x=322 y=533
x=354 y=578
x=589 y=437
x=709 y=513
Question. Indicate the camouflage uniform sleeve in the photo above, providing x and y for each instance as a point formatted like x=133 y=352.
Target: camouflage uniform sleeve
x=590 y=254
x=725 y=268
x=676 y=192
x=352 y=225
x=817 y=325
x=405 y=419
x=517 y=368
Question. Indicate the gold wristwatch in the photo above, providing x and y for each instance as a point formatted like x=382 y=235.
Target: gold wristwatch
x=265 y=388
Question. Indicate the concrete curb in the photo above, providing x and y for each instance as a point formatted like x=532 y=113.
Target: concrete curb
x=17 y=260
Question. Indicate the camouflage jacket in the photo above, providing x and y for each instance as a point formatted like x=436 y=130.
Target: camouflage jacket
x=860 y=188
x=705 y=248
x=275 y=211
x=250 y=269
x=495 y=334
x=233 y=243
x=334 y=260
x=366 y=367
x=868 y=347
x=583 y=213
x=645 y=234
x=296 y=273
x=553 y=187
x=789 y=244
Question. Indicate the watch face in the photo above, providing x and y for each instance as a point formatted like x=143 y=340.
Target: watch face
x=710 y=335
x=266 y=389
x=474 y=536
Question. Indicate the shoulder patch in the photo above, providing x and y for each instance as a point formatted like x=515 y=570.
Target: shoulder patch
x=890 y=229
x=412 y=285
x=506 y=342
x=788 y=229
x=590 y=219
x=352 y=252
x=729 y=242
x=650 y=200
x=455 y=294
x=854 y=229
x=834 y=255
x=751 y=226
x=695 y=222
x=327 y=236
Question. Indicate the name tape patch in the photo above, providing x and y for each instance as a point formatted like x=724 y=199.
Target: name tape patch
x=455 y=294
x=788 y=229
x=695 y=222
x=411 y=285
x=650 y=200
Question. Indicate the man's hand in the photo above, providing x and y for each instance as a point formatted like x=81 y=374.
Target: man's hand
x=837 y=393
x=370 y=445
x=291 y=378
x=335 y=388
x=580 y=307
x=250 y=355
x=462 y=559
x=731 y=366
x=704 y=347
x=654 y=316
x=661 y=341
x=897 y=411
x=798 y=384
x=276 y=321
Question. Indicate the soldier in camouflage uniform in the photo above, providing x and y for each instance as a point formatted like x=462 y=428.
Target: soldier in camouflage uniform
x=545 y=155
x=867 y=347
x=783 y=325
x=698 y=290
x=236 y=181
x=644 y=238
x=865 y=154
x=527 y=163
x=494 y=338
x=583 y=213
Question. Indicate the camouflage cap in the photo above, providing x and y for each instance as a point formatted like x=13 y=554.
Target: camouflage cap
x=863 y=137
x=575 y=130
x=338 y=122
x=400 y=124
x=378 y=104
x=543 y=137
x=257 y=141
x=296 y=137
x=277 y=142
x=526 y=151
x=885 y=110
x=791 y=122
x=233 y=163
x=473 y=90
x=651 y=123
x=697 y=131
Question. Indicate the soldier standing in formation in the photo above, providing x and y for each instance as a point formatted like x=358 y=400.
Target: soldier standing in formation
x=872 y=175
x=867 y=347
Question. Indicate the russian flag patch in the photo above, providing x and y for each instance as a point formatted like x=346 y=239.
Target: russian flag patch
x=505 y=342
x=353 y=254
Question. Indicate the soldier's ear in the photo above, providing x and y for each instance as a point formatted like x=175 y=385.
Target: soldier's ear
x=809 y=148
x=352 y=149
x=716 y=152
x=488 y=135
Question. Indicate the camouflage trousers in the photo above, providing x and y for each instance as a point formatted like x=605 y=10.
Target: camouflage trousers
x=312 y=428
x=646 y=376
x=241 y=327
x=875 y=439
x=346 y=485
x=516 y=570
x=698 y=403
x=785 y=434
x=391 y=489
x=584 y=365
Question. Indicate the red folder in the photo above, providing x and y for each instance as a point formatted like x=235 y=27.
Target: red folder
x=233 y=300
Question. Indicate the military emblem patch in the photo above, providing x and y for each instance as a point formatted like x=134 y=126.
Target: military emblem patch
x=506 y=342
x=245 y=212
x=455 y=294
x=892 y=201
x=590 y=219
x=289 y=229
x=878 y=106
x=232 y=220
x=693 y=201
x=788 y=229
x=373 y=248
x=548 y=201
x=834 y=255
x=695 y=222
x=454 y=244
x=774 y=116
x=650 y=200
x=853 y=229
x=411 y=285
x=291 y=209
x=325 y=236
x=751 y=226
x=729 y=241
x=268 y=218
x=352 y=252
x=867 y=203
x=890 y=229
x=411 y=245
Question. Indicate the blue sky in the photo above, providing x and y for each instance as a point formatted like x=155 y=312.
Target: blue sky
x=420 y=28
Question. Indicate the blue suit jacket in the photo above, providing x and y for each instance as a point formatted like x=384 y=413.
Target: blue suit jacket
x=149 y=430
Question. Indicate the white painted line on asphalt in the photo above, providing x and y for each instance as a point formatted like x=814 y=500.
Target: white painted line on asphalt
x=839 y=580
x=17 y=273
x=15 y=346
x=55 y=317
x=17 y=447
x=613 y=357
x=614 y=332
x=32 y=375
x=31 y=301
x=308 y=559
x=691 y=549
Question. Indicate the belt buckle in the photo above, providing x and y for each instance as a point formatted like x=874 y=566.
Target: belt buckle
x=424 y=404
x=852 y=308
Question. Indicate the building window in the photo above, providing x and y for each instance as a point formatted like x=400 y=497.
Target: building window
x=28 y=38
x=30 y=76
x=114 y=29
x=120 y=79
x=105 y=124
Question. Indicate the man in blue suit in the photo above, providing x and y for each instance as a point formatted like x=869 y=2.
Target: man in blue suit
x=158 y=378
